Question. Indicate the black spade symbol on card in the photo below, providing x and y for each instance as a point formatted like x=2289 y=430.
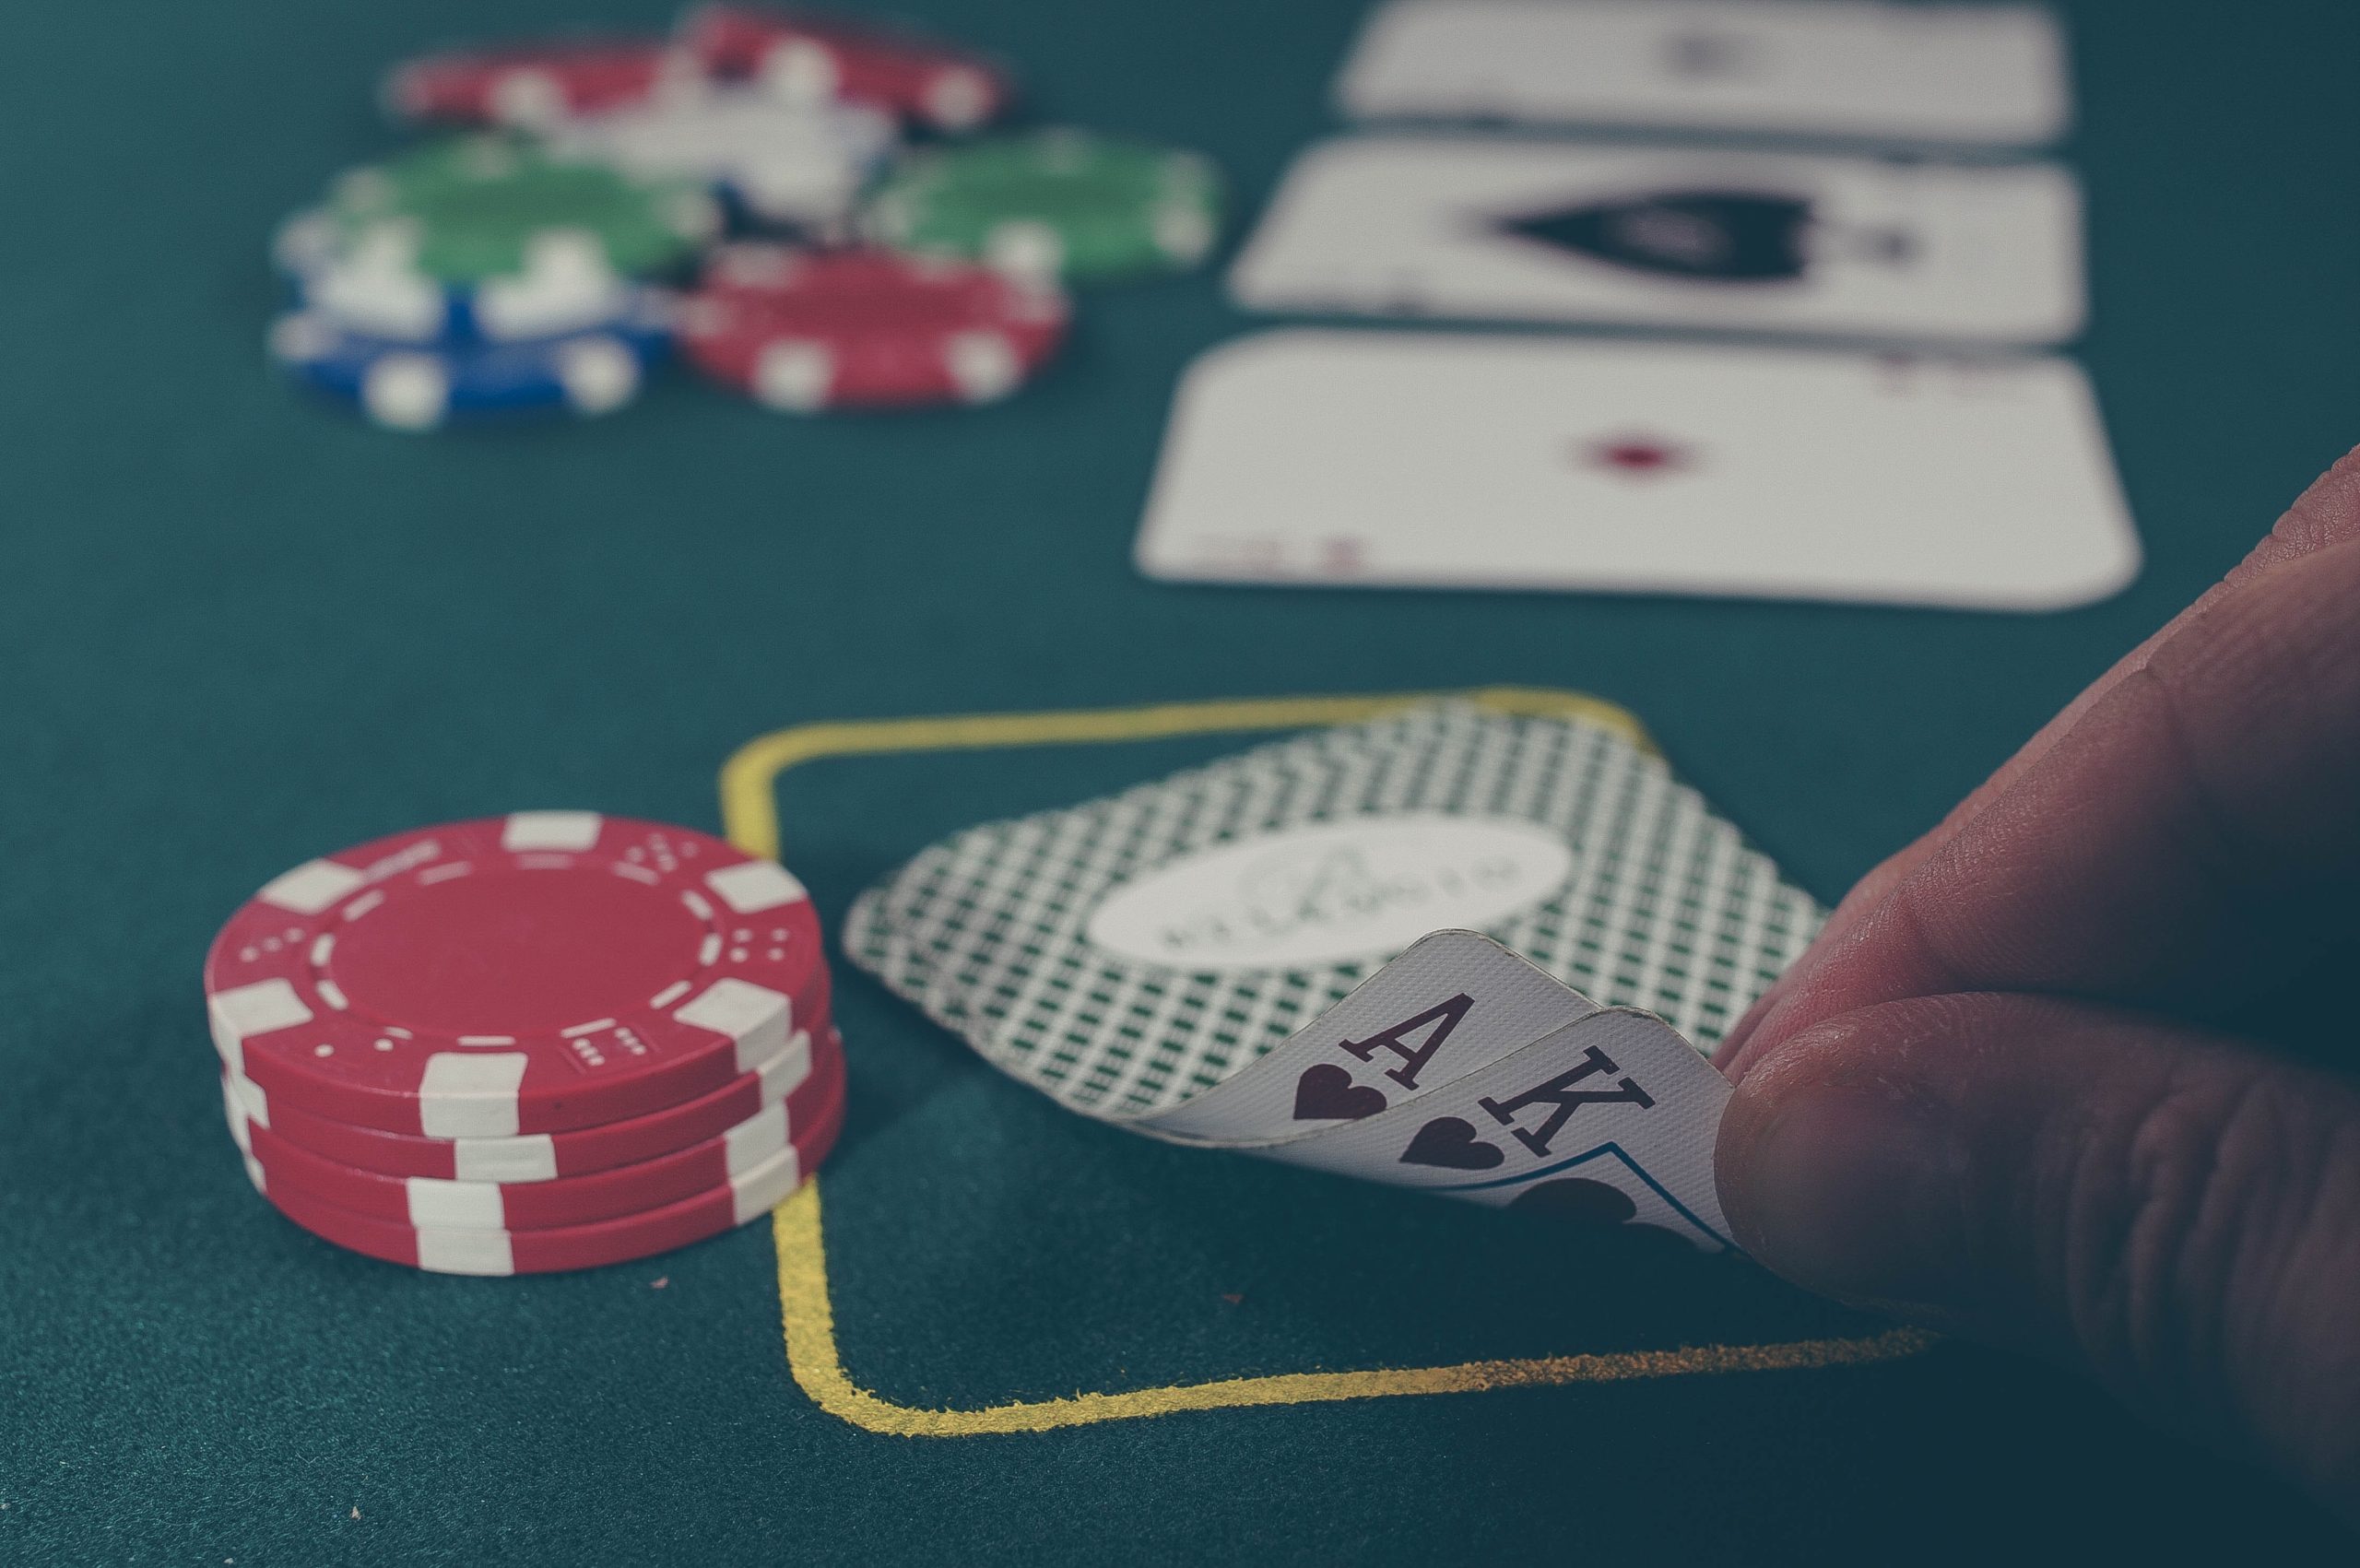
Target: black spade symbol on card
x=1452 y=1144
x=1717 y=236
x=1327 y=1093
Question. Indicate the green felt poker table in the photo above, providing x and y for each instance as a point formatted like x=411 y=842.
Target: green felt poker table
x=241 y=628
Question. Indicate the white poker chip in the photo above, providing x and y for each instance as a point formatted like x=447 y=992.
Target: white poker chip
x=800 y=164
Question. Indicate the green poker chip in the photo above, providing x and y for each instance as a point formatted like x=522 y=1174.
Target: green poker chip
x=1058 y=204
x=476 y=208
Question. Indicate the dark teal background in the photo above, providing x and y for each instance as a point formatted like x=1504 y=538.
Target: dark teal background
x=237 y=630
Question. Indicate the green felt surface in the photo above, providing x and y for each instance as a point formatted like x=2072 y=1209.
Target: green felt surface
x=239 y=630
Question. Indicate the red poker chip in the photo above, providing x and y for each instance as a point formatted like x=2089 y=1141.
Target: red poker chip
x=535 y=85
x=797 y=1078
x=529 y=973
x=443 y=1250
x=805 y=330
x=424 y=1203
x=809 y=60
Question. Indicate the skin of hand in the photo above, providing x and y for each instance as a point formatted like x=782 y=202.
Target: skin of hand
x=2055 y=1076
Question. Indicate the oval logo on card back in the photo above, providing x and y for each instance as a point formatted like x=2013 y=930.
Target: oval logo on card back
x=1326 y=892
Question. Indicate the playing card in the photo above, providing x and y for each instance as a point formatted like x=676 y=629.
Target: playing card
x=1128 y=955
x=1992 y=75
x=1457 y=460
x=1612 y=1115
x=1495 y=228
x=1454 y=1002
x=1206 y=960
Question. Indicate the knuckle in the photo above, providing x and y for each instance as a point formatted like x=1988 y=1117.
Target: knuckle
x=2201 y=1215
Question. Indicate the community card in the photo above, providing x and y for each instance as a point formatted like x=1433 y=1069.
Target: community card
x=1427 y=459
x=1507 y=229
x=1128 y=955
x=1985 y=75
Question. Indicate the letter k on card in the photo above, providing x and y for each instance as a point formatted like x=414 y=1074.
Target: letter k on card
x=1614 y=1100
x=1454 y=1003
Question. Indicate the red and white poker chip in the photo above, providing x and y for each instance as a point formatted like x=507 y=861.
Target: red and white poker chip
x=535 y=86
x=811 y=60
x=429 y=1203
x=532 y=974
x=451 y=1250
x=806 y=330
x=797 y=1078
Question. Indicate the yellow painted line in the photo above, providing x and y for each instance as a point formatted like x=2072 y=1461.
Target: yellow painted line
x=749 y=780
x=749 y=813
x=819 y=1368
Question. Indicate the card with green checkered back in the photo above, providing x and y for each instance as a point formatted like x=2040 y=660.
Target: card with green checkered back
x=1284 y=948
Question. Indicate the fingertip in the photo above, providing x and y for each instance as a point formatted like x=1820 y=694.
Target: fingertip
x=1844 y=1182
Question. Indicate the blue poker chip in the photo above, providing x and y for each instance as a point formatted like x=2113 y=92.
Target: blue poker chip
x=413 y=386
x=371 y=285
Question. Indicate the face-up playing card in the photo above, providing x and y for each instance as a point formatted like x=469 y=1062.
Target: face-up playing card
x=1989 y=75
x=1484 y=228
x=1613 y=1114
x=1239 y=955
x=1456 y=460
x=1454 y=1003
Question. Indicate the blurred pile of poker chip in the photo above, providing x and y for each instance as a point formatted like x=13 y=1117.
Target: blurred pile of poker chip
x=549 y=1040
x=818 y=214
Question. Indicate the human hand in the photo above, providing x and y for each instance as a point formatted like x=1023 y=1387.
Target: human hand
x=2035 y=1082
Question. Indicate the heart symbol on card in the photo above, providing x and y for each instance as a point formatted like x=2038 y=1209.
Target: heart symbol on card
x=1451 y=1143
x=1577 y=1198
x=1327 y=1093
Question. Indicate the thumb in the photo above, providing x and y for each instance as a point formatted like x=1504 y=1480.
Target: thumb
x=2174 y=1211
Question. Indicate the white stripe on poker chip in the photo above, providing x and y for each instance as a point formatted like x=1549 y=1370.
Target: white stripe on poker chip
x=465 y=1206
x=755 y=886
x=600 y=374
x=251 y=1098
x=470 y=1094
x=236 y=1112
x=983 y=365
x=532 y=100
x=1029 y=252
x=795 y=375
x=301 y=336
x=311 y=887
x=756 y=1138
x=785 y=1073
x=755 y=1017
x=532 y=1158
x=239 y=1014
x=255 y=1174
x=765 y=1186
x=958 y=99
x=407 y=392
x=551 y=829
x=465 y=1252
x=798 y=70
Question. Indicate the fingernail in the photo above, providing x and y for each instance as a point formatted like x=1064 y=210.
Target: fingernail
x=1854 y=1193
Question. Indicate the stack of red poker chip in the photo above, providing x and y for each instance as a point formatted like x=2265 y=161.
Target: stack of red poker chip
x=547 y=1041
x=806 y=58
x=805 y=330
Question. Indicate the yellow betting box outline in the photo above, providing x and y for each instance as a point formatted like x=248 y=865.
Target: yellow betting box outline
x=749 y=812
